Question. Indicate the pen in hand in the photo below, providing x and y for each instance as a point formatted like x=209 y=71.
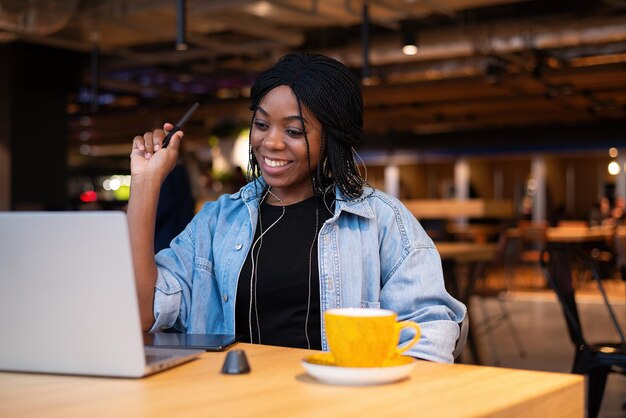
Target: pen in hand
x=180 y=124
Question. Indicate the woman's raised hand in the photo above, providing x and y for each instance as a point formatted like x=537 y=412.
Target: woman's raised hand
x=149 y=165
x=149 y=159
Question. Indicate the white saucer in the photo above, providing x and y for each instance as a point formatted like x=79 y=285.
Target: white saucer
x=358 y=376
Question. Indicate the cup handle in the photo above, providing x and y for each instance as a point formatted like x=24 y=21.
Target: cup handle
x=415 y=339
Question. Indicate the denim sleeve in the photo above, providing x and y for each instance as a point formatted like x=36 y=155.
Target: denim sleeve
x=172 y=293
x=413 y=286
x=416 y=291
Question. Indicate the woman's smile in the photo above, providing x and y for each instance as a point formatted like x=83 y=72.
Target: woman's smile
x=275 y=163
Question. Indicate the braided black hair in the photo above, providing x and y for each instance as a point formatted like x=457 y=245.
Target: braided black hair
x=333 y=94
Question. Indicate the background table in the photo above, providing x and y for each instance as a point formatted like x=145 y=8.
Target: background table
x=278 y=386
x=466 y=252
x=475 y=256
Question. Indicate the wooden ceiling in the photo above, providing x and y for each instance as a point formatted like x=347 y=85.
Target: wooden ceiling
x=482 y=64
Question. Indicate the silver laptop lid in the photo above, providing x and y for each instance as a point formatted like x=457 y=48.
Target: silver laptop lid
x=68 y=298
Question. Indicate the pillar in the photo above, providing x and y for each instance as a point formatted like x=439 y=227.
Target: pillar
x=35 y=83
x=538 y=174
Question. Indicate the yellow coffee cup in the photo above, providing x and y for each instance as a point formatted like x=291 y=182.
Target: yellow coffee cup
x=365 y=337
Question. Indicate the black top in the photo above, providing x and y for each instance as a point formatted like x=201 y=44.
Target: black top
x=282 y=277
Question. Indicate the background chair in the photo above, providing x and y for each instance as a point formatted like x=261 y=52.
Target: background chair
x=597 y=360
x=620 y=250
x=497 y=288
x=532 y=239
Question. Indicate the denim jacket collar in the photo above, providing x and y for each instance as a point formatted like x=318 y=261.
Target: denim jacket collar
x=359 y=207
x=251 y=191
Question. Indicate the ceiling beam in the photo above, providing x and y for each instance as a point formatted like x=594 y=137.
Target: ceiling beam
x=312 y=13
x=118 y=8
x=501 y=37
x=255 y=27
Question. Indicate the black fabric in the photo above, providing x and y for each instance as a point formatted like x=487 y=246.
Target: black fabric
x=175 y=208
x=282 y=285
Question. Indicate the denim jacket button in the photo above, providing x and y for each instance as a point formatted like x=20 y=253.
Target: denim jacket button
x=238 y=246
x=225 y=297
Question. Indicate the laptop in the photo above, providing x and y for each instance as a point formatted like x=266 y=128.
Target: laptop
x=68 y=301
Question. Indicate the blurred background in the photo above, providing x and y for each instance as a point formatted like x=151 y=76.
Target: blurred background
x=499 y=123
x=492 y=99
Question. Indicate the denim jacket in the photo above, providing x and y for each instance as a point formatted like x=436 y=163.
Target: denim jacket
x=372 y=253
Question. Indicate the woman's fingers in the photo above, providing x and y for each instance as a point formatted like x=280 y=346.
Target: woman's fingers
x=138 y=144
x=175 y=141
x=148 y=143
x=139 y=147
x=151 y=142
x=157 y=138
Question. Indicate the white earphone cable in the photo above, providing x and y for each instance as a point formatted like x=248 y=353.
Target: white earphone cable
x=253 y=274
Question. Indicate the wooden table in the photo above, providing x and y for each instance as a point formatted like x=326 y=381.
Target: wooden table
x=564 y=243
x=456 y=208
x=278 y=386
x=473 y=254
x=466 y=252
x=570 y=235
x=473 y=232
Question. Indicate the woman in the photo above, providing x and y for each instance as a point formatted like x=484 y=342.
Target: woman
x=305 y=235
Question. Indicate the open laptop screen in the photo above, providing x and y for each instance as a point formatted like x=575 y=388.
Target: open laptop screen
x=68 y=297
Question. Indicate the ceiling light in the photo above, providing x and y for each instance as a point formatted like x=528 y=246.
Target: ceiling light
x=261 y=9
x=409 y=49
x=409 y=38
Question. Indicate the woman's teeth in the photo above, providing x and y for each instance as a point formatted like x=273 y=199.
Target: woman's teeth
x=274 y=163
